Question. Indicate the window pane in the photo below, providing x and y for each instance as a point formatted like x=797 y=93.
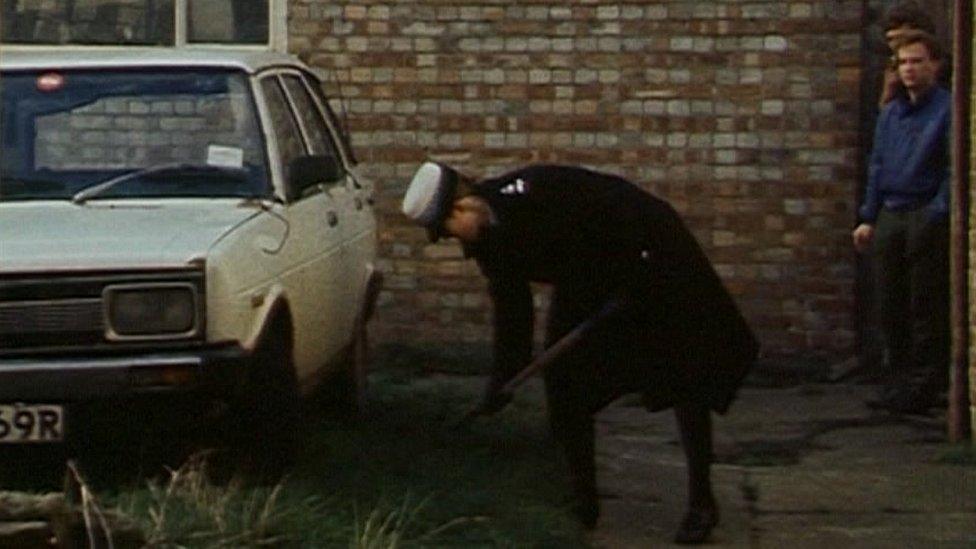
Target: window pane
x=283 y=123
x=319 y=135
x=89 y=126
x=136 y=22
x=315 y=86
x=228 y=21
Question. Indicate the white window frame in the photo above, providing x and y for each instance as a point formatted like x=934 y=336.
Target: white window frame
x=277 y=32
x=277 y=28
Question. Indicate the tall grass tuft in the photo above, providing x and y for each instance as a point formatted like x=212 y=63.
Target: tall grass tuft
x=384 y=529
x=187 y=509
x=387 y=528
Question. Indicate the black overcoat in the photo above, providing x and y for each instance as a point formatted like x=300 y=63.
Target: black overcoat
x=600 y=239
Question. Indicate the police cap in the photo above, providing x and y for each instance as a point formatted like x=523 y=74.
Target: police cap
x=430 y=197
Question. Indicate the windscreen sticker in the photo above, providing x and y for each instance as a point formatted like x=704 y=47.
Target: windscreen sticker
x=50 y=82
x=225 y=157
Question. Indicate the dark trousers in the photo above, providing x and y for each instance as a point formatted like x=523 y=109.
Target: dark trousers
x=570 y=412
x=912 y=268
x=588 y=378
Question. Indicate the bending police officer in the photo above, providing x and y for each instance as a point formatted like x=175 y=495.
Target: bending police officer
x=676 y=336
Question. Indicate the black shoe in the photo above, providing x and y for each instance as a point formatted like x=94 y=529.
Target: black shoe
x=587 y=512
x=697 y=526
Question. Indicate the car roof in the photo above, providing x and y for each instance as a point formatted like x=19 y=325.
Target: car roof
x=251 y=60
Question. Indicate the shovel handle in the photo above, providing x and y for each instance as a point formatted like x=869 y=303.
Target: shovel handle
x=548 y=356
x=557 y=349
x=545 y=359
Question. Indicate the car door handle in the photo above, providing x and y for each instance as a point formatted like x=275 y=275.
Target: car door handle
x=332 y=218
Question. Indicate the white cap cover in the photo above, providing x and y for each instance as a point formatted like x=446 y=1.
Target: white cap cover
x=429 y=197
x=421 y=203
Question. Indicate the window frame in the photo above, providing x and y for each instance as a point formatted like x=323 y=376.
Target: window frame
x=335 y=139
x=277 y=33
x=274 y=144
x=277 y=29
x=343 y=140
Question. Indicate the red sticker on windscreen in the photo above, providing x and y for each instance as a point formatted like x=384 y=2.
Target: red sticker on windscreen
x=49 y=82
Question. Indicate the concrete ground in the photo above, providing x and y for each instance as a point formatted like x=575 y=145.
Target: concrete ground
x=808 y=466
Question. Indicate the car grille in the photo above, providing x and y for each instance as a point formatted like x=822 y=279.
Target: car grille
x=50 y=317
x=62 y=311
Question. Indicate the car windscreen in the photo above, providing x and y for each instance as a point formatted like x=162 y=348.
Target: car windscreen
x=148 y=133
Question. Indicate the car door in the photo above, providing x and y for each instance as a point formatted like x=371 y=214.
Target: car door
x=309 y=259
x=320 y=141
x=361 y=240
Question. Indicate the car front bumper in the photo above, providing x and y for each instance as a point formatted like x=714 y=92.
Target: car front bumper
x=75 y=378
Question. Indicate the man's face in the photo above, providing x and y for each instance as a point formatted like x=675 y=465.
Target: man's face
x=468 y=217
x=916 y=68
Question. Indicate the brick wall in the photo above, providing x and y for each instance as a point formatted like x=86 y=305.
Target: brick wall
x=743 y=114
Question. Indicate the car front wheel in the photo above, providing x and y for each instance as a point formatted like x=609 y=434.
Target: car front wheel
x=265 y=418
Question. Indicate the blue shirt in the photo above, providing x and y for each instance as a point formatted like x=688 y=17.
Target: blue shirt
x=909 y=165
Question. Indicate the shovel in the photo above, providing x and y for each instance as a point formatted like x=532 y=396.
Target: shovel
x=541 y=362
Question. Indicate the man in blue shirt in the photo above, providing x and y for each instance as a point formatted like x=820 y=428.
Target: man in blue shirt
x=905 y=216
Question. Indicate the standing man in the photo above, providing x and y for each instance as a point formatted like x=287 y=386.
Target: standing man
x=667 y=327
x=905 y=215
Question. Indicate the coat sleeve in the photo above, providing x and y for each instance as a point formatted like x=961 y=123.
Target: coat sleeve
x=513 y=322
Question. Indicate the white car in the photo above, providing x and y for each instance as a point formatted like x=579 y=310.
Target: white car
x=175 y=222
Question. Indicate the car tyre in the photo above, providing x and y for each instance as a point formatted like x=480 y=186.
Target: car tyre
x=265 y=418
x=357 y=369
x=344 y=394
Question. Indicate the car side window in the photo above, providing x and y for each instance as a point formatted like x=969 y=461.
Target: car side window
x=316 y=87
x=320 y=139
x=283 y=123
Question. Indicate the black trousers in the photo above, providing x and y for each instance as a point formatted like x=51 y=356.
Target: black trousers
x=582 y=381
x=616 y=358
x=912 y=267
x=570 y=420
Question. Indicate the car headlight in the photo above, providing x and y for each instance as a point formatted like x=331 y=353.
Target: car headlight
x=155 y=311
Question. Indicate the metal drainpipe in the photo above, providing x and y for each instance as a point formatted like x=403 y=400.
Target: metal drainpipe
x=958 y=416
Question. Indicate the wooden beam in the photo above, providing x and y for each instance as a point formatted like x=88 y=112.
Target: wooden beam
x=958 y=415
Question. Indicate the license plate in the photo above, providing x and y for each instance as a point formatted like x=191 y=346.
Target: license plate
x=20 y=423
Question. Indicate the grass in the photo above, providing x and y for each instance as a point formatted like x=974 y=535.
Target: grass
x=963 y=454
x=187 y=509
x=404 y=476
